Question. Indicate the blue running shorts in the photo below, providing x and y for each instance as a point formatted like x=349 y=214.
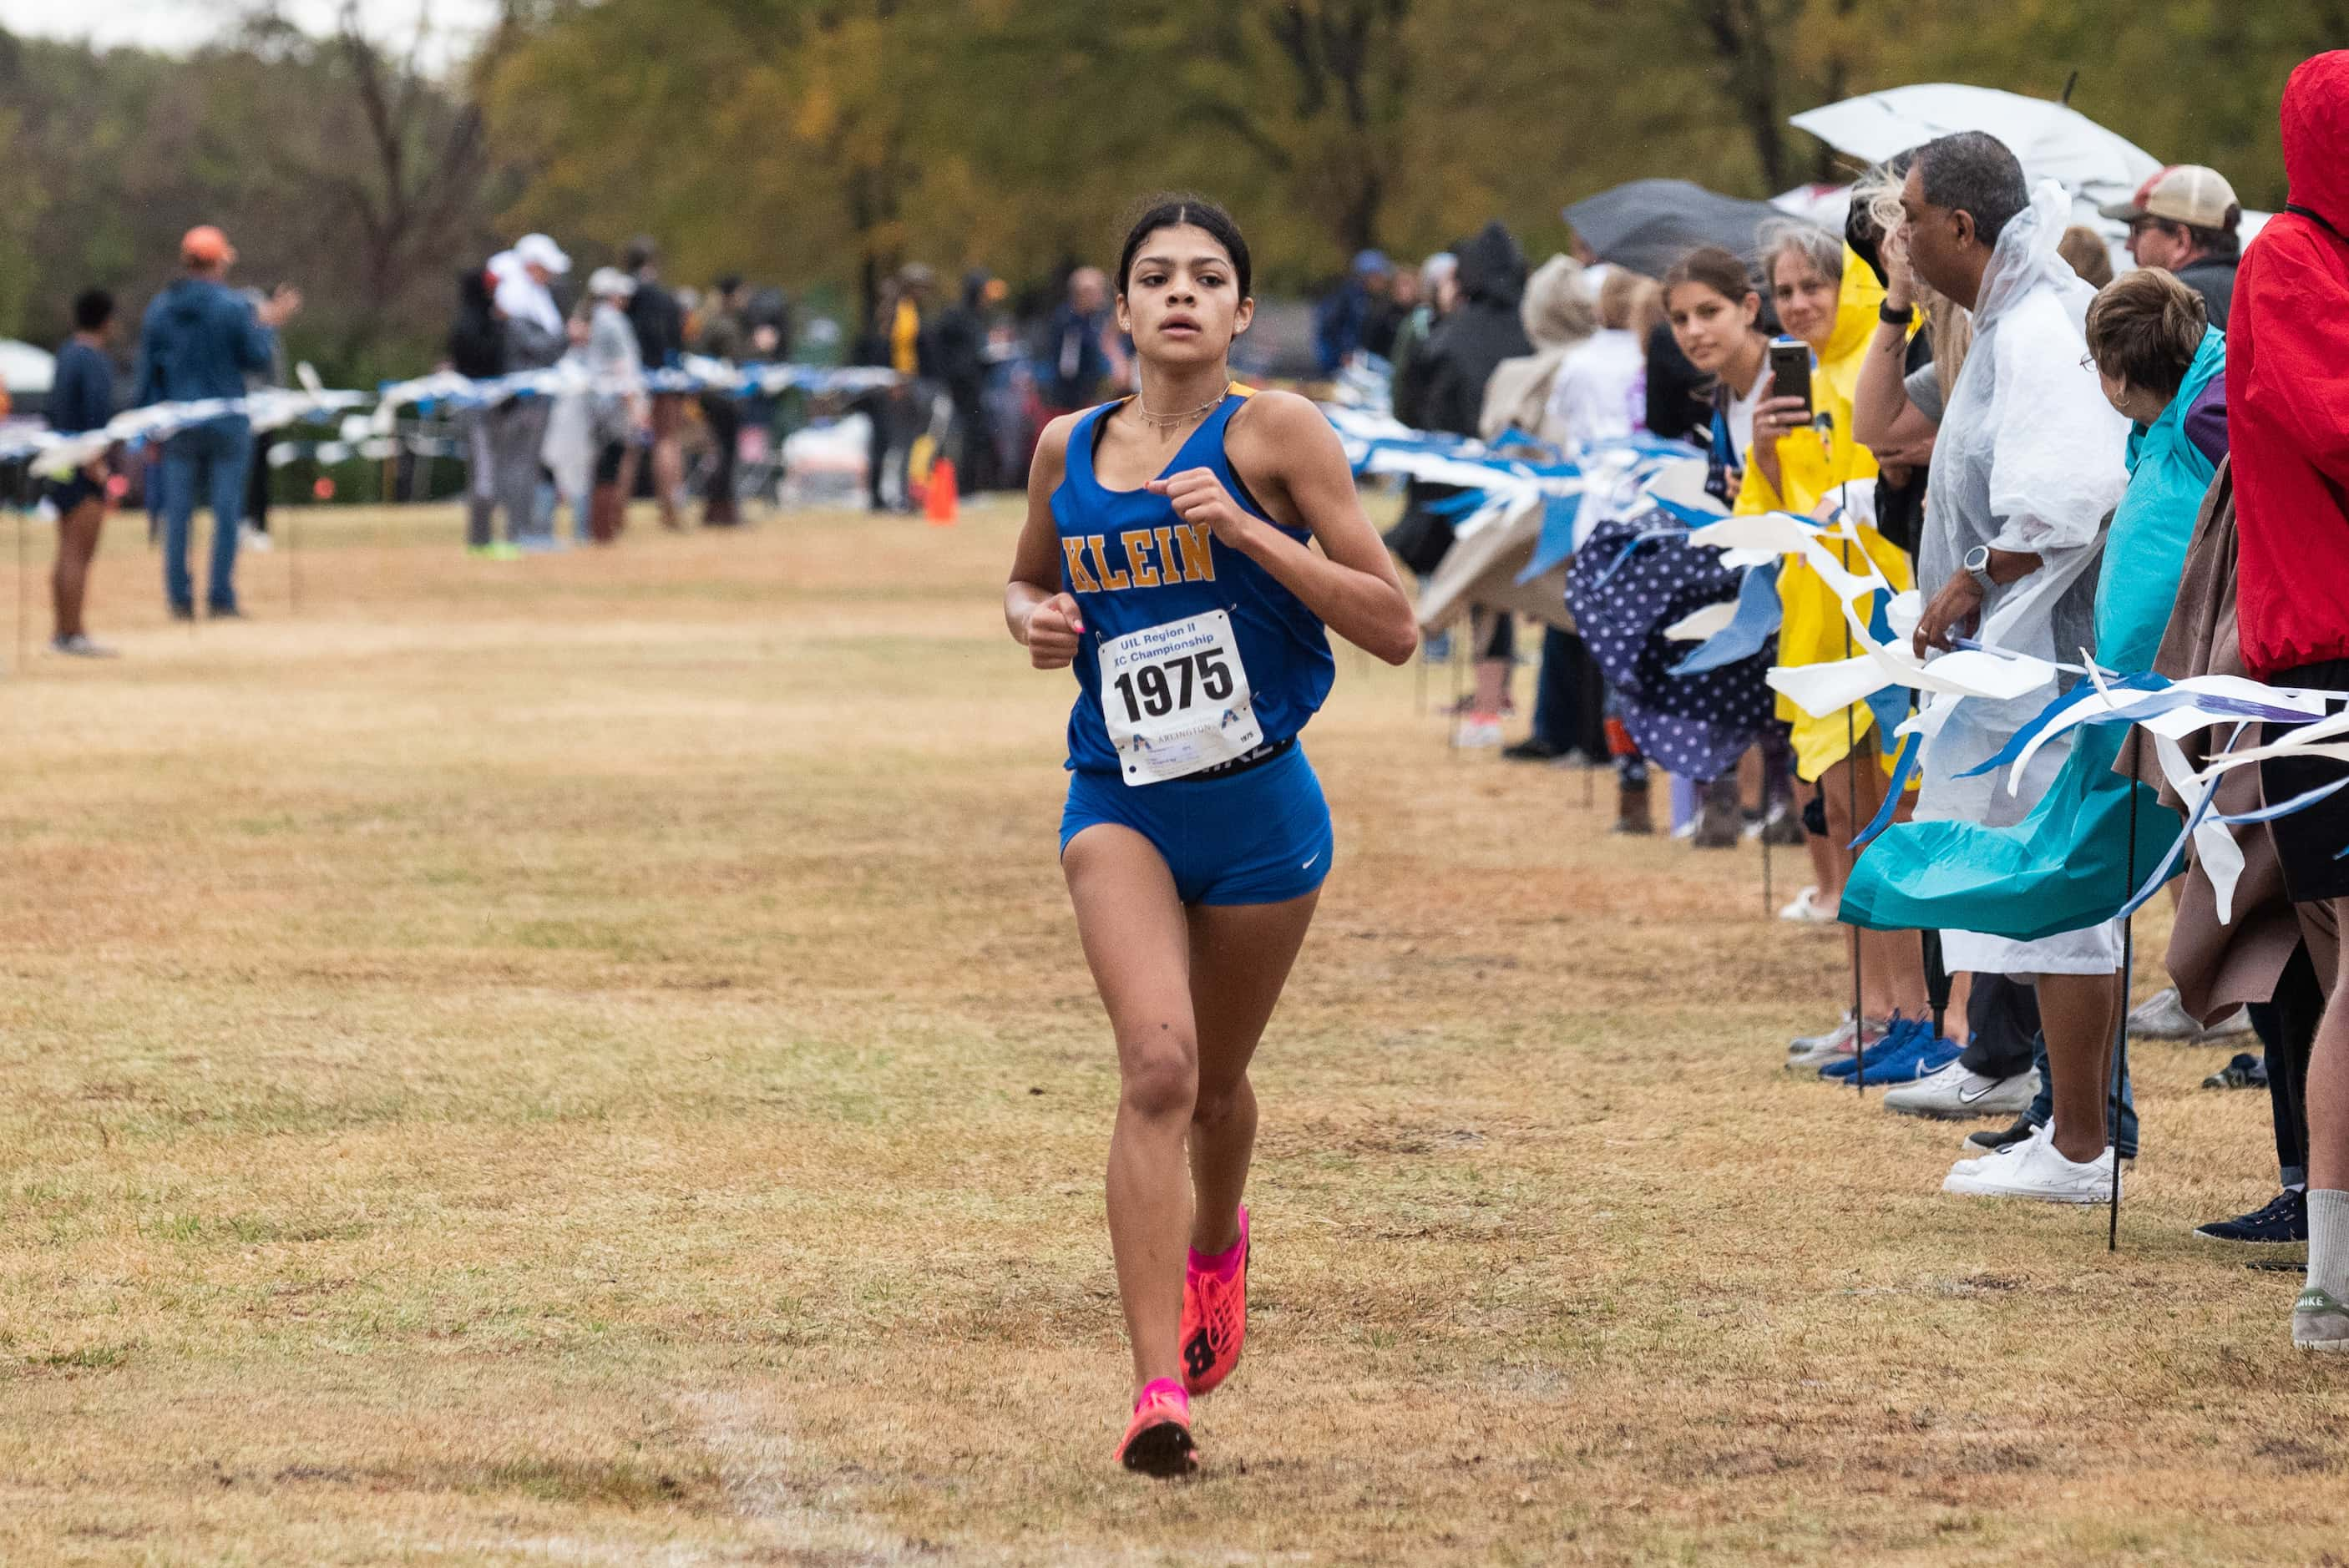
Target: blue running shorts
x=1258 y=836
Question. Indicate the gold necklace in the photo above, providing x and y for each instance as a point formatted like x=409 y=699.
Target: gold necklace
x=1169 y=421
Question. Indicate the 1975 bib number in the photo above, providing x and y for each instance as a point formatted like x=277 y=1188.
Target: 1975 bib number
x=1176 y=698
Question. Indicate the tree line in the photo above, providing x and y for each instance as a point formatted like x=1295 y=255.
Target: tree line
x=828 y=142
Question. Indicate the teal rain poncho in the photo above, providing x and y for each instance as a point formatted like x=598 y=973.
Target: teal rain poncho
x=2066 y=866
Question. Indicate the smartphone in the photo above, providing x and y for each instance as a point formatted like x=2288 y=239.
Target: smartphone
x=1790 y=369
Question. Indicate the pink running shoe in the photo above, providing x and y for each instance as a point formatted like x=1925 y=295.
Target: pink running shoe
x=1214 y=1319
x=1158 y=1440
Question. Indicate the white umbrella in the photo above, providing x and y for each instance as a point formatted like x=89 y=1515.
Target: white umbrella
x=1826 y=206
x=25 y=367
x=2054 y=142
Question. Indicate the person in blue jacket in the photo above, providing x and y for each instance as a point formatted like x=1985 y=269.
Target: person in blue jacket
x=197 y=341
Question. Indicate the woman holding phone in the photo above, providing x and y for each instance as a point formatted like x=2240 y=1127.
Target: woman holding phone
x=1806 y=458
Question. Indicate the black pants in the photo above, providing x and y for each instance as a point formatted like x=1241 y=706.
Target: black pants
x=2004 y=1018
x=1570 y=698
x=724 y=416
x=973 y=441
x=875 y=408
x=2287 y=1027
x=256 y=489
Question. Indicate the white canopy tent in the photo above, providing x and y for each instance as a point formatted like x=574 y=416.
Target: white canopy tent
x=25 y=368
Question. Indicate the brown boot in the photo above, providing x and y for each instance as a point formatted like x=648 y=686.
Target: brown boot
x=1721 y=819
x=1631 y=815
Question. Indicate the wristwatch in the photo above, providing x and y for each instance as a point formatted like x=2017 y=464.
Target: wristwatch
x=1890 y=317
x=1977 y=565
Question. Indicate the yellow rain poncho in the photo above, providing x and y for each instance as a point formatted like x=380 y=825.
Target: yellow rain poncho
x=1811 y=464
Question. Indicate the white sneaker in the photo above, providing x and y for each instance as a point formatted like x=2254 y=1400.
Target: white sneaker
x=2161 y=1017
x=253 y=538
x=1841 y=1045
x=1841 y=1032
x=2012 y=1151
x=1957 y=1093
x=1806 y=909
x=2034 y=1169
x=1476 y=734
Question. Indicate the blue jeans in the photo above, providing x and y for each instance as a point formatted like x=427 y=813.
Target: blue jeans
x=2043 y=1108
x=209 y=459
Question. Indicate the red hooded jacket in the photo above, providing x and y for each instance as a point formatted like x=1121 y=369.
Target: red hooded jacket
x=2288 y=392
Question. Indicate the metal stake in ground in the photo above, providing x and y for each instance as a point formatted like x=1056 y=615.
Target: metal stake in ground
x=2120 y=1024
x=1462 y=669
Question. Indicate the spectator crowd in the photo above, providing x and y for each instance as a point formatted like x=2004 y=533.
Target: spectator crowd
x=2145 y=471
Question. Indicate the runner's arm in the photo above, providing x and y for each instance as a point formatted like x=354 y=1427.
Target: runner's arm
x=1285 y=452
x=1038 y=614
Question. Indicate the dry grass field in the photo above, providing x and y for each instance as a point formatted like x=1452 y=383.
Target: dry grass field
x=587 y=1061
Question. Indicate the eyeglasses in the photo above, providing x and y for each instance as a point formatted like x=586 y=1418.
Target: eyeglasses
x=2088 y=360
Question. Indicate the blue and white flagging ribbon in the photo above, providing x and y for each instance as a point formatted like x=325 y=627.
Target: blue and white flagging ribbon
x=1979 y=670
x=52 y=455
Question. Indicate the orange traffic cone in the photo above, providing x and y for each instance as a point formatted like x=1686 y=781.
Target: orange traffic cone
x=939 y=502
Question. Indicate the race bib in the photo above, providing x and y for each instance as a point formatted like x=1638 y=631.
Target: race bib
x=1175 y=699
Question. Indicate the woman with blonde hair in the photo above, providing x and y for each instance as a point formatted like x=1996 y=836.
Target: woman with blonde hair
x=1601 y=391
x=1558 y=319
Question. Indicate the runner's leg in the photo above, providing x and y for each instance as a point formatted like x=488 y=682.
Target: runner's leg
x=69 y=581
x=1131 y=923
x=1241 y=959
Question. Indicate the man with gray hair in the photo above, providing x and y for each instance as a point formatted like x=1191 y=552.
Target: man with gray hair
x=2027 y=467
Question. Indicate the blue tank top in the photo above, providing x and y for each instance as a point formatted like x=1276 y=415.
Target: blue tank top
x=1131 y=564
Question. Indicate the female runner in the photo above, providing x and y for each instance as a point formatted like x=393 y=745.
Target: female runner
x=1168 y=556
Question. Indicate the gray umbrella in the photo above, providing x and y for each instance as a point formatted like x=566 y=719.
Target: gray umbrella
x=1647 y=225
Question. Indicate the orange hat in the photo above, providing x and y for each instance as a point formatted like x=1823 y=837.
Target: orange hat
x=204 y=246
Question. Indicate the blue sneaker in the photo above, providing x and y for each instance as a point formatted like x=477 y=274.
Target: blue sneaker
x=1899 y=1039
x=1929 y=1056
x=2283 y=1223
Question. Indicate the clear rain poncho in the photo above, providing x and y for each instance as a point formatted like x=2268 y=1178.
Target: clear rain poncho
x=2031 y=458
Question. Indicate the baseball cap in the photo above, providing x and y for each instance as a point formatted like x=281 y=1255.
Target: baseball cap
x=2182 y=193
x=610 y=282
x=203 y=245
x=1371 y=264
x=538 y=251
